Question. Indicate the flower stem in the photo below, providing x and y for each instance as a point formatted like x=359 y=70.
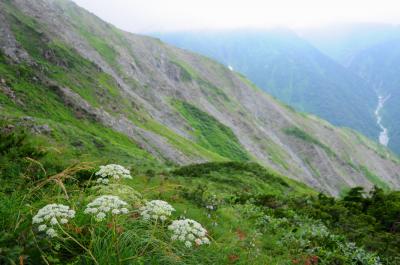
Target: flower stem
x=151 y=238
x=115 y=239
x=82 y=246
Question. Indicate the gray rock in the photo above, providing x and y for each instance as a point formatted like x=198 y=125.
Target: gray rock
x=41 y=129
x=27 y=119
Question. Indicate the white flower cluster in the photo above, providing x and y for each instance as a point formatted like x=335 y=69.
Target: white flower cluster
x=189 y=231
x=112 y=171
x=51 y=215
x=106 y=204
x=155 y=210
x=102 y=181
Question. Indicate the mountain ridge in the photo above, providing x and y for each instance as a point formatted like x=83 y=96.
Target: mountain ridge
x=344 y=41
x=156 y=94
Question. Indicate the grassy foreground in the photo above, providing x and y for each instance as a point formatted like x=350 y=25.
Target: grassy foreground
x=252 y=214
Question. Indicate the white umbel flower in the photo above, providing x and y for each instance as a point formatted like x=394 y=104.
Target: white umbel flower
x=51 y=232
x=112 y=171
x=103 y=205
x=102 y=181
x=42 y=228
x=188 y=231
x=156 y=210
x=52 y=215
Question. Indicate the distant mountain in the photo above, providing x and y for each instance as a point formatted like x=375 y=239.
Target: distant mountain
x=343 y=42
x=372 y=51
x=292 y=70
x=379 y=65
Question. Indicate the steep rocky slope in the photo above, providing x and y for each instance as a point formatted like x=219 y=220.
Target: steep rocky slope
x=97 y=87
x=292 y=70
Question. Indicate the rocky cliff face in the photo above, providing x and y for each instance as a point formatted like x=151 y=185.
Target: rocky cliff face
x=176 y=105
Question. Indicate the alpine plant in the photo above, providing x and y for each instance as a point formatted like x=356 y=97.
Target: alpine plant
x=189 y=232
x=106 y=205
x=156 y=210
x=113 y=171
x=50 y=216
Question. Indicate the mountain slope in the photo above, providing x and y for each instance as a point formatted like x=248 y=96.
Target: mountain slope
x=292 y=70
x=89 y=86
x=380 y=65
x=370 y=51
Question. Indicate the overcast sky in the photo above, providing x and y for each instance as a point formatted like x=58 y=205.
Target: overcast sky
x=173 y=15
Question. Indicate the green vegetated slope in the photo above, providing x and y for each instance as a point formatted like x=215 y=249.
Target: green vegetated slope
x=71 y=136
x=212 y=134
x=162 y=104
x=252 y=214
x=58 y=65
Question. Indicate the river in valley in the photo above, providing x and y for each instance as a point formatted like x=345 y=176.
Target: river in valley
x=383 y=135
